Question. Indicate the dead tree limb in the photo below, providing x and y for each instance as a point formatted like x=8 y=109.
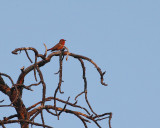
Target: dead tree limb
x=26 y=115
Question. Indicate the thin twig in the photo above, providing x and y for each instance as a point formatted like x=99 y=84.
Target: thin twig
x=35 y=115
x=13 y=85
x=62 y=101
x=85 y=84
x=55 y=93
x=1 y=101
x=59 y=84
x=2 y=125
x=67 y=52
x=34 y=84
x=43 y=84
x=45 y=49
x=28 y=56
x=35 y=67
x=3 y=74
x=50 y=112
x=60 y=73
x=64 y=106
x=42 y=119
x=29 y=48
x=79 y=95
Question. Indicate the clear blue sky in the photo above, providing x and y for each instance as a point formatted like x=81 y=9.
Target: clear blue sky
x=121 y=36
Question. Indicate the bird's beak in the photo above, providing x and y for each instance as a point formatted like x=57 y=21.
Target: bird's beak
x=64 y=40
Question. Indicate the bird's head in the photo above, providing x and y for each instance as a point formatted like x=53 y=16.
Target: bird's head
x=62 y=41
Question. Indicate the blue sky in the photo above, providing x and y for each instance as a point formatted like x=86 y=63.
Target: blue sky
x=122 y=37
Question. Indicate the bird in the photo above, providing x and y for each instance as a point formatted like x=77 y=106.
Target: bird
x=58 y=46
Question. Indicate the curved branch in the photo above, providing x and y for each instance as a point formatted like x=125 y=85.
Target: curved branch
x=3 y=74
x=46 y=60
x=85 y=85
x=90 y=60
x=62 y=101
x=29 y=48
x=44 y=85
x=80 y=115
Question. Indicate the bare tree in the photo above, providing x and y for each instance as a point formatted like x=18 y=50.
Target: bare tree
x=25 y=116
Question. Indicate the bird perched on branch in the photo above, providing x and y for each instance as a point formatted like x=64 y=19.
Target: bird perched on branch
x=58 y=46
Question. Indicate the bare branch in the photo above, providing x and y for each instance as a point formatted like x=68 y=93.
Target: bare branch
x=60 y=72
x=62 y=101
x=82 y=57
x=1 y=101
x=44 y=85
x=78 y=114
x=79 y=95
x=35 y=67
x=29 y=48
x=64 y=106
x=28 y=56
x=10 y=117
x=42 y=119
x=45 y=50
x=3 y=74
x=51 y=112
x=34 y=84
x=67 y=52
x=85 y=85
x=26 y=116
x=30 y=122
x=35 y=115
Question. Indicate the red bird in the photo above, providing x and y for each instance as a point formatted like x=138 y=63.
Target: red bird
x=58 y=46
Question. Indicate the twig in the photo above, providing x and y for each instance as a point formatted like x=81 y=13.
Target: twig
x=10 y=117
x=67 y=52
x=23 y=86
x=42 y=119
x=29 y=48
x=79 y=95
x=28 y=56
x=1 y=101
x=83 y=120
x=64 y=107
x=110 y=120
x=35 y=115
x=35 y=67
x=45 y=49
x=10 y=105
x=90 y=60
x=34 y=84
x=51 y=112
x=60 y=73
x=78 y=114
x=59 y=84
x=85 y=84
x=3 y=74
x=62 y=101
x=44 y=85
x=2 y=125
x=55 y=93
x=13 y=85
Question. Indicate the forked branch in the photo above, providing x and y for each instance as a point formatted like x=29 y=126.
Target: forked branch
x=27 y=116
